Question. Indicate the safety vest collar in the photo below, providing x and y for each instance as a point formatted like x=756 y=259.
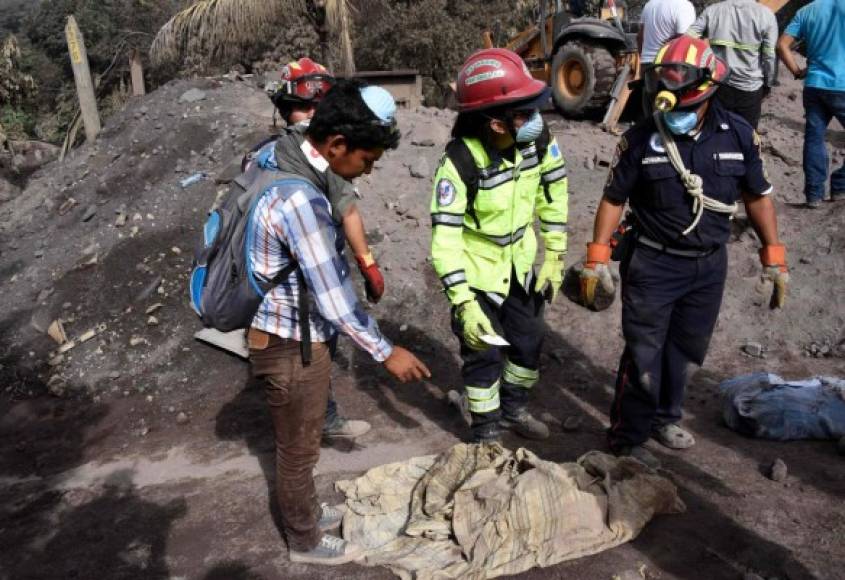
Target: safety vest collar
x=492 y=163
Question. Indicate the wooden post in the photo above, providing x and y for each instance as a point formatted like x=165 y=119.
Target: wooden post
x=137 y=71
x=82 y=75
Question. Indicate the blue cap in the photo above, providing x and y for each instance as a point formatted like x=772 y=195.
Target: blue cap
x=380 y=102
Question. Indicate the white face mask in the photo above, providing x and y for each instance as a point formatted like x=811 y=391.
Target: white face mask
x=530 y=129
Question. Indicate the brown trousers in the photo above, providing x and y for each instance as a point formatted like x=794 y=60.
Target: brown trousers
x=297 y=397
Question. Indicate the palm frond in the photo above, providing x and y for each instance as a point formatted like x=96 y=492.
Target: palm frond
x=219 y=30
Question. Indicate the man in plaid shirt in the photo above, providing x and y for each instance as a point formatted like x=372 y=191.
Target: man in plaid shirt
x=292 y=223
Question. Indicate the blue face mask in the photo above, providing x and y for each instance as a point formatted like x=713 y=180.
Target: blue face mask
x=680 y=122
x=530 y=129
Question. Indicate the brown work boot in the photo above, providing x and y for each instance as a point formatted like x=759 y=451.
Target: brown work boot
x=331 y=551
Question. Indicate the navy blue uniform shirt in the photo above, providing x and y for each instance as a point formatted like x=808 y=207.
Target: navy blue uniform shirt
x=726 y=154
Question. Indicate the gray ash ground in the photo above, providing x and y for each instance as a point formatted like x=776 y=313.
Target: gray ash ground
x=140 y=453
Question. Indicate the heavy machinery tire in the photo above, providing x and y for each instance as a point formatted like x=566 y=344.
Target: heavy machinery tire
x=582 y=77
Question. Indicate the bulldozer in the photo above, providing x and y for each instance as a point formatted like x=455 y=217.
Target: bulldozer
x=587 y=51
x=581 y=56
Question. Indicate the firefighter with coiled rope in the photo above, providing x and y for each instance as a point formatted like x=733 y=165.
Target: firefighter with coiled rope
x=682 y=173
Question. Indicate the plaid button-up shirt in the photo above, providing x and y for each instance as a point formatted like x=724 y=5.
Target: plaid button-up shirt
x=293 y=221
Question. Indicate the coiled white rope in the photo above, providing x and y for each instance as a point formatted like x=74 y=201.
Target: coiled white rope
x=692 y=182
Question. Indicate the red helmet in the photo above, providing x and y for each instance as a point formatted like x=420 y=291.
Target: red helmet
x=494 y=77
x=687 y=67
x=303 y=81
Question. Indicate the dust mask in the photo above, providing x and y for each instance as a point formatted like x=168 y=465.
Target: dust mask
x=531 y=129
x=680 y=122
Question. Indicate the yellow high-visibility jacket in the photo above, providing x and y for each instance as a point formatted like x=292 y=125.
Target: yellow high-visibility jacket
x=482 y=256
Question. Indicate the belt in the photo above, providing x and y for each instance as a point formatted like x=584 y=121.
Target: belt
x=648 y=242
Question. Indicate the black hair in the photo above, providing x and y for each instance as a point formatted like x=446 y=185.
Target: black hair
x=473 y=123
x=469 y=124
x=343 y=112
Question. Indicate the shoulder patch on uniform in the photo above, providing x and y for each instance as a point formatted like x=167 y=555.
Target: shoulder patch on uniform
x=620 y=149
x=656 y=143
x=445 y=192
x=554 y=151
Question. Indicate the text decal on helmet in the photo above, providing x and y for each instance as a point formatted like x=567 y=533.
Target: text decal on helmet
x=486 y=76
x=483 y=62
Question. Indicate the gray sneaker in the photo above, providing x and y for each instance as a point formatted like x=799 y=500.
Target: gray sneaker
x=346 y=429
x=639 y=453
x=331 y=551
x=814 y=204
x=331 y=516
x=525 y=425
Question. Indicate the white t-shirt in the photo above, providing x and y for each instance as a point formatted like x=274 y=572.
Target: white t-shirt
x=662 y=20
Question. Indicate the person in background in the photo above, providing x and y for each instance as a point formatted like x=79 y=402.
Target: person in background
x=820 y=26
x=743 y=33
x=662 y=20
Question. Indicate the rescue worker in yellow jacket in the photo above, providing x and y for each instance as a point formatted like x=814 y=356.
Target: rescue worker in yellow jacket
x=501 y=171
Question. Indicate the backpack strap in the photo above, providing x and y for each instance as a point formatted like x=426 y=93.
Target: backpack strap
x=461 y=157
x=303 y=305
x=304 y=314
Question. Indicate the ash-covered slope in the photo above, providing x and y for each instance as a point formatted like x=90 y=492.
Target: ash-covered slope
x=103 y=242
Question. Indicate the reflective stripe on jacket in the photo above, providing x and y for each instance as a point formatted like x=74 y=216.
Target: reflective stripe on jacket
x=744 y=34
x=510 y=196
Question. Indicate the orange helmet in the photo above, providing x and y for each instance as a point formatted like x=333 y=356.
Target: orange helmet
x=686 y=67
x=493 y=77
x=303 y=81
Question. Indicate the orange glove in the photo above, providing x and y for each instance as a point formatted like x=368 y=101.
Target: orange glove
x=775 y=272
x=373 y=280
x=595 y=270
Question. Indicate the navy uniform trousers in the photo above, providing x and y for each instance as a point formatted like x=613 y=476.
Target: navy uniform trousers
x=498 y=380
x=670 y=305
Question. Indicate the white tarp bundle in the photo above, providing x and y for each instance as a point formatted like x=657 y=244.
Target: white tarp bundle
x=481 y=511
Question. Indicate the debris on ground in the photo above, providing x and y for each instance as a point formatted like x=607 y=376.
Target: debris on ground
x=778 y=471
x=57 y=332
x=573 y=423
x=754 y=349
x=233 y=342
x=189 y=181
x=192 y=96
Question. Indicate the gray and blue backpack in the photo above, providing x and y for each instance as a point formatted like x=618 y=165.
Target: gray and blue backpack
x=224 y=291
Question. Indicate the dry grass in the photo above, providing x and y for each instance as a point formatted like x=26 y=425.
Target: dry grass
x=226 y=31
